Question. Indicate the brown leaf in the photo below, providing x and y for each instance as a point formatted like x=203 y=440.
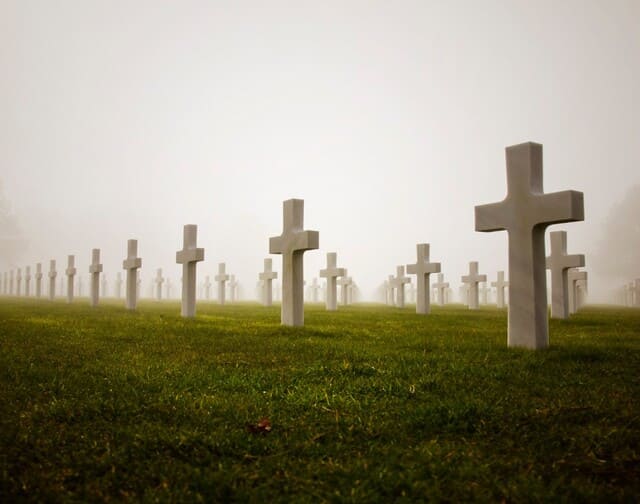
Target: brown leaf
x=262 y=427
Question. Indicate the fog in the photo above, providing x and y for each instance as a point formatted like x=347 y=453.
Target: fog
x=129 y=119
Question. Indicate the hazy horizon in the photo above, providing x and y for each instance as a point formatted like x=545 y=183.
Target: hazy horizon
x=130 y=119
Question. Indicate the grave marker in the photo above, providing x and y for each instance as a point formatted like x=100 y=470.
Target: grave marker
x=500 y=284
x=221 y=278
x=331 y=273
x=267 y=277
x=95 y=268
x=292 y=244
x=471 y=282
x=524 y=214
x=423 y=269
x=559 y=263
x=398 y=283
x=131 y=265
x=189 y=256
x=71 y=273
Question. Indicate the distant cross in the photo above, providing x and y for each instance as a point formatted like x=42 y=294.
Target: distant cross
x=118 y=285
x=189 y=256
x=52 y=279
x=71 y=273
x=158 y=281
x=344 y=282
x=500 y=284
x=391 y=300
x=559 y=263
x=38 y=278
x=315 y=289
x=636 y=292
x=27 y=281
x=103 y=286
x=398 y=283
x=131 y=265
x=484 y=293
x=18 y=282
x=95 y=268
x=221 y=278
x=351 y=288
x=233 y=289
x=573 y=276
x=441 y=288
x=422 y=269
x=292 y=244
x=267 y=277
x=524 y=214
x=331 y=273
x=207 y=287
x=168 y=287
x=80 y=285
x=471 y=282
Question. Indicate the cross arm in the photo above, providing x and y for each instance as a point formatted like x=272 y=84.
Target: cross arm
x=559 y=207
x=491 y=217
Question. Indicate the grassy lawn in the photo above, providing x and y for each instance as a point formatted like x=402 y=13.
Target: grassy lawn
x=371 y=403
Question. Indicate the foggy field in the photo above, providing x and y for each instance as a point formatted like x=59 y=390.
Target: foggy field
x=369 y=403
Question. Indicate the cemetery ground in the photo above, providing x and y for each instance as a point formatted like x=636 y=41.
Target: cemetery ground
x=370 y=403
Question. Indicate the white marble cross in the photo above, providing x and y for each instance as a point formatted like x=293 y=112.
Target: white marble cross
x=158 y=281
x=471 y=282
x=207 y=287
x=233 y=288
x=484 y=294
x=52 y=279
x=38 y=278
x=131 y=265
x=292 y=244
x=267 y=277
x=573 y=276
x=27 y=281
x=500 y=284
x=221 y=278
x=344 y=282
x=423 y=269
x=168 y=288
x=331 y=273
x=315 y=290
x=19 y=282
x=398 y=282
x=95 y=268
x=524 y=214
x=441 y=287
x=118 y=285
x=559 y=263
x=103 y=286
x=635 y=289
x=189 y=256
x=71 y=273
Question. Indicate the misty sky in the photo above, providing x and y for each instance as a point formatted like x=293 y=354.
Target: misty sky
x=128 y=119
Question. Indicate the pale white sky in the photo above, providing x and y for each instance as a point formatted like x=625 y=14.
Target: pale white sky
x=128 y=119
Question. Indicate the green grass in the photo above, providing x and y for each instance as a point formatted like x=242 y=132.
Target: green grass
x=367 y=404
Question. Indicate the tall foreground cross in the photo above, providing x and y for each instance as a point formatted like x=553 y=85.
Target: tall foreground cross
x=559 y=263
x=131 y=265
x=524 y=214
x=189 y=256
x=292 y=244
x=422 y=269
